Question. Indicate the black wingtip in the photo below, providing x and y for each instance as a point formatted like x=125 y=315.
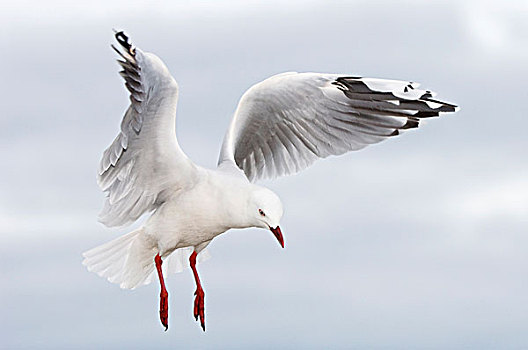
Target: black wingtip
x=122 y=39
x=410 y=124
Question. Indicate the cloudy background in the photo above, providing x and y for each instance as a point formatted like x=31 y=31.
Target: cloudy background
x=418 y=242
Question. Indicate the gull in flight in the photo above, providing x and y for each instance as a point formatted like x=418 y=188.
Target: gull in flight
x=281 y=126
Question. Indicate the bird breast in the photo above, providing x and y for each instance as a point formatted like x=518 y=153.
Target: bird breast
x=214 y=205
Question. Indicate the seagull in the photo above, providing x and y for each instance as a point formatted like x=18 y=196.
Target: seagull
x=281 y=126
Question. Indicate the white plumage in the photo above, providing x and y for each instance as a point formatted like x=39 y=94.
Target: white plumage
x=281 y=126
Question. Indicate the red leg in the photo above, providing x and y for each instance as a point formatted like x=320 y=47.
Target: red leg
x=164 y=296
x=199 y=300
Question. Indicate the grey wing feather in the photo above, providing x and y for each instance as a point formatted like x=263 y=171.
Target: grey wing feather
x=285 y=123
x=144 y=164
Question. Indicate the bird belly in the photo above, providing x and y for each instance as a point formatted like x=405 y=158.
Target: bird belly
x=183 y=223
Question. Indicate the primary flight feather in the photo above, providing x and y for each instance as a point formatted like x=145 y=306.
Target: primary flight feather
x=281 y=126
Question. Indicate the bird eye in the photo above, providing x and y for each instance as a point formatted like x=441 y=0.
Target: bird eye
x=261 y=212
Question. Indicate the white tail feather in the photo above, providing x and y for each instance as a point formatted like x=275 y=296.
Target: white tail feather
x=178 y=260
x=129 y=260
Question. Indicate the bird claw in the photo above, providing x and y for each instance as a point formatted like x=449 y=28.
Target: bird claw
x=164 y=309
x=199 y=306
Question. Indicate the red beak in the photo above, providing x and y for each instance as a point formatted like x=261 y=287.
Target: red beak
x=278 y=234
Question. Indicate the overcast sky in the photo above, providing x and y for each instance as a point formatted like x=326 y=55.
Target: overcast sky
x=418 y=242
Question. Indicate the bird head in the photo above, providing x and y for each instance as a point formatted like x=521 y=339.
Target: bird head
x=266 y=211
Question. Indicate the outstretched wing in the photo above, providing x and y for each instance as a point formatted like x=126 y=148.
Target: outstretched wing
x=285 y=123
x=144 y=164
